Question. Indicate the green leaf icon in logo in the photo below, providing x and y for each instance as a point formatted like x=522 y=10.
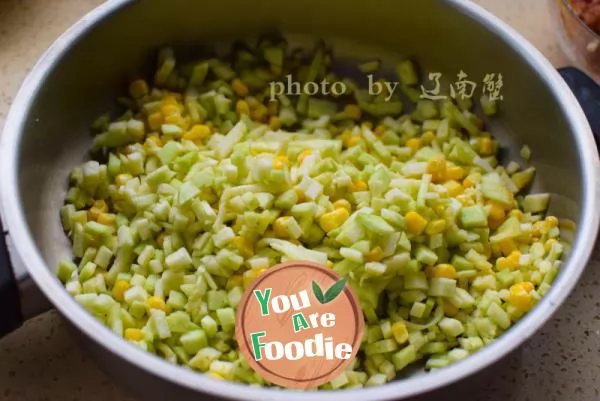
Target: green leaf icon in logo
x=331 y=293
x=317 y=291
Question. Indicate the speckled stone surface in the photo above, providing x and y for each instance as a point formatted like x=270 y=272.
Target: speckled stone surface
x=41 y=362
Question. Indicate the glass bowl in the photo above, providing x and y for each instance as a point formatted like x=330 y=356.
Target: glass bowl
x=579 y=42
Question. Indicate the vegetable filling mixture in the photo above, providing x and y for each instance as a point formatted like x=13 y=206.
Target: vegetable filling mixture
x=204 y=183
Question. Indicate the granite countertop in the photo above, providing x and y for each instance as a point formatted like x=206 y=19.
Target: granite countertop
x=41 y=362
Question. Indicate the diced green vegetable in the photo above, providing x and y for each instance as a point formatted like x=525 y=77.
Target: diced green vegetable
x=407 y=73
x=536 y=203
x=206 y=180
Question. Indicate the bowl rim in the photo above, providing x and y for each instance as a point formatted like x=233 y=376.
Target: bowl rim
x=26 y=247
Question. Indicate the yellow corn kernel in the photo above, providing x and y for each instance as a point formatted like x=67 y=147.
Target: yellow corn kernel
x=176 y=120
x=520 y=296
x=242 y=107
x=250 y=275
x=496 y=211
x=454 y=188
x=134 y=334
x=527 y=286
x=274 y=123
x=494 y=224
x=279 y=228
x=170 y=110
x=428 y=137
x=97 y=209
x=352 y=111
x=171 y=98
x=359 y=186
x=449 y=309
x=509 y=262
x=155 y=120
x=465 y=199
x=138 y=89
x=414 y=144
x=496 y=216
x=342 y=204
x=486 y=147
x=537 y=228
x=235 y=281
x=552 y=221
x=379 y=130
x=273 y=108
x=280 y=162
x=198 y=131
x=329 y=263
x=239 y=87
x=352 y=141
x=215 y=376
x=444 y=270
x=108 y=219
x=514 y=257
x=154 y=139
x=156 y=303
x=400 y=332
x=348 y=139
x=507 y=246
x=436 y=227
x=549 y=244
x=374 y=255
x=119 y=289
x=244 y=246
x=468 y=182
x=518 y=214
x=415 y=223
x=332 y=220
x=455 y=172
x=303 y=155
x=437 y=168
x=368 y=125
x=259 y=113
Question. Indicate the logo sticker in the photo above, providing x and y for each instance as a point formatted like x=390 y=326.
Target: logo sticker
x=299 y=325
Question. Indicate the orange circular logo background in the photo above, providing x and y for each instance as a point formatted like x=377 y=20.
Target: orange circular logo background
x=299 y=324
